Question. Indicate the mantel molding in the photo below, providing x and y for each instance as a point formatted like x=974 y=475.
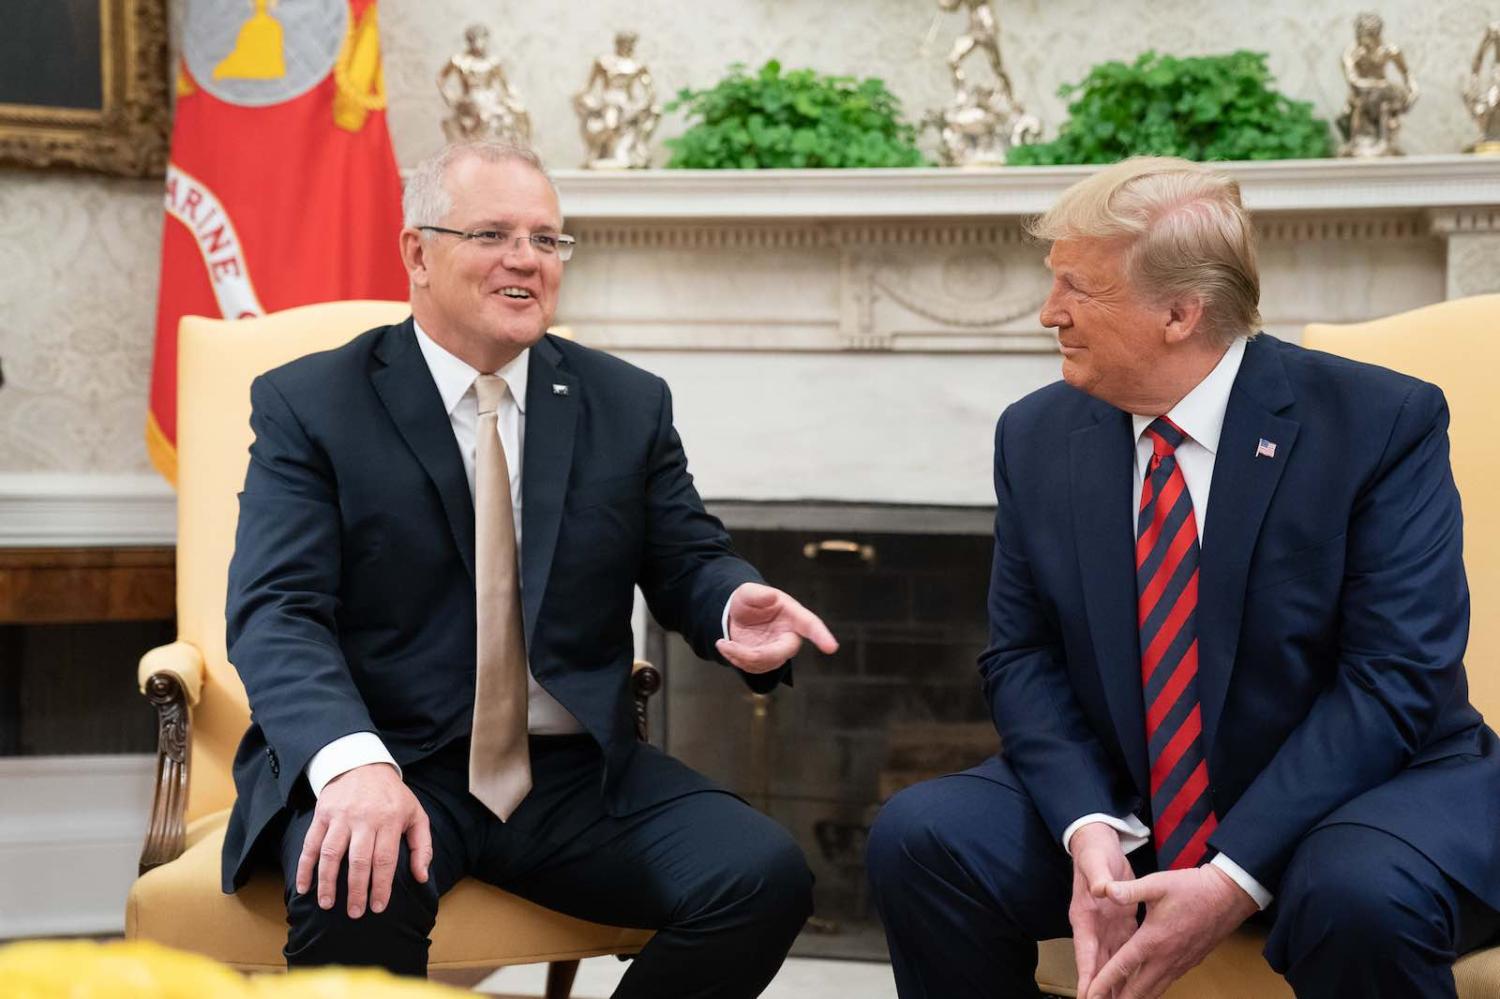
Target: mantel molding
x=1279 y=186
x=45 y=510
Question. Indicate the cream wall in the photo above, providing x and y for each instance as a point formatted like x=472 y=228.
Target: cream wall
x=78 y=255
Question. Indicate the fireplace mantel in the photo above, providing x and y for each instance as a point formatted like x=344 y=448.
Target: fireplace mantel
x=1281 y=186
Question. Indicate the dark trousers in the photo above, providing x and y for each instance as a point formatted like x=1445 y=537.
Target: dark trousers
x=725 y=888
x=967 y=878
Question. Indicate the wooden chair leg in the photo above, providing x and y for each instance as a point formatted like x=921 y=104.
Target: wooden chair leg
x=560 y=975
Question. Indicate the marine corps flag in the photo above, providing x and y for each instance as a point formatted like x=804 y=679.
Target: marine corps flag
x=282 y=189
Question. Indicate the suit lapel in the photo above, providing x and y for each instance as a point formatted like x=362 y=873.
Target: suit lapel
x=1243 y=484
x=551 y=423
x=405 y=386
x=1102 y=470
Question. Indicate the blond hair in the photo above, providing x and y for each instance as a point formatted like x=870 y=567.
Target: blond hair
x=1186 y=233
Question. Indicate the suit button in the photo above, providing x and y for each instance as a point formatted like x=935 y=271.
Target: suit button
x=275 y=763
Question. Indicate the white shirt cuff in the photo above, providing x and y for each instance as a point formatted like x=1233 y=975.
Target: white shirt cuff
x=724 y=620
x=357 y=749
x=1133 y=833
x=1241 y=877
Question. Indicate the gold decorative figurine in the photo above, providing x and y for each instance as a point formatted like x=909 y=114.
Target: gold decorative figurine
x=483 y=104
x=1482 y=95
x=984 y=121
x=617 y=110
x=1372 y=113
x=983 y=36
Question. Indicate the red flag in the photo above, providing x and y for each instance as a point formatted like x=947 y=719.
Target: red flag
x=282 y=189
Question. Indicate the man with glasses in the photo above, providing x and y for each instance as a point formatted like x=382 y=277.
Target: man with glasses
x=442 y=527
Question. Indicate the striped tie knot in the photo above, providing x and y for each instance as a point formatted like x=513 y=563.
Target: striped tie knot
x=1166 y=437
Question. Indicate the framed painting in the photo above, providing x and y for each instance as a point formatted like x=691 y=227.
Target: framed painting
x=84 y=84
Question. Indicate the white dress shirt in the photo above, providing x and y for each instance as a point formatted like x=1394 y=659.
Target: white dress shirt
x=1200 y=415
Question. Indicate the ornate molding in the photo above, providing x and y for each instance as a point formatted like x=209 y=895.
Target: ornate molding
x=128 y=135
x=1477 y=221
x=1346 y=228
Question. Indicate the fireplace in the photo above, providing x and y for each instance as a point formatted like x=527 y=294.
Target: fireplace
x=904 y=590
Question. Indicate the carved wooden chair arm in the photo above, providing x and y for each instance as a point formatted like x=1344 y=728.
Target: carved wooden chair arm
x=171 y=677
x=645 y=680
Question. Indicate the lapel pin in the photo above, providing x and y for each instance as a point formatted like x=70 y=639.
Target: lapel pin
x=1265 y=449
x=563 y=390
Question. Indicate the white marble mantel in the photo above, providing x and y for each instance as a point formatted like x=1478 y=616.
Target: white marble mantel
x=850 y=336
x=1296 y=186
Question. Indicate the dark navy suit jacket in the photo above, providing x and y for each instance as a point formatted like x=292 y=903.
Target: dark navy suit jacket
x=351 y=590
x=1333 y=614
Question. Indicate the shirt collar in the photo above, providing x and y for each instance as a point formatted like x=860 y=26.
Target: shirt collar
x=1200 y=414
x=454 y=377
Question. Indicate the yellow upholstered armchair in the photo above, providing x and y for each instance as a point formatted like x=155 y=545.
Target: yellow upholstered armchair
x=202 y=709
x=1456 y=346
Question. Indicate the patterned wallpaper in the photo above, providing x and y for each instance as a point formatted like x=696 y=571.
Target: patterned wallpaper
x=78 y=255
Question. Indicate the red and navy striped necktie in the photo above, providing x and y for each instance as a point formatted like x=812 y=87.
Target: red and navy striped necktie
x=1166 y=562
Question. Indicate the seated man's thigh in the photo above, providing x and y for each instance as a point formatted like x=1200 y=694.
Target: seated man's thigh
x=673 y=862
x=395 y=939
x=971 y=847
x=1360 y=911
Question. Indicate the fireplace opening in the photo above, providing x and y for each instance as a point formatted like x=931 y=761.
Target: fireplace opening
x=904 y=590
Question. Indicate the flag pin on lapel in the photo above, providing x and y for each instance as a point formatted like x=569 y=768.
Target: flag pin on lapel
x=1265 y=449
x=563 y=390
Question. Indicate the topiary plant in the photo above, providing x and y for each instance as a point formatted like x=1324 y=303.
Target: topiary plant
x=800 y=119
x=1201 y=108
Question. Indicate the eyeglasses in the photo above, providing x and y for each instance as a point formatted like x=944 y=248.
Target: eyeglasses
x=545 y=243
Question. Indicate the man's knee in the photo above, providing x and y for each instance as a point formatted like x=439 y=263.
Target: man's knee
x=1360 y=894
x=904 y=839
x=783 y=883
x=395 y=939
x=763 y=879
x=923 y=833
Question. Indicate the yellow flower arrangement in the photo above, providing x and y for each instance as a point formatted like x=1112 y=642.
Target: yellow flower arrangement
x=82 y=969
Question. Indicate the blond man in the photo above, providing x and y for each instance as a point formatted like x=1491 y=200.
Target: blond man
x=1227 y=617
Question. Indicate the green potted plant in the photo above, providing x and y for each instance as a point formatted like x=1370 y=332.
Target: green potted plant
x=800 y=119
x=1220 y=107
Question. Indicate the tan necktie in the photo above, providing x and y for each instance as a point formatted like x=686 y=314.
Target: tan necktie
x=499 y=762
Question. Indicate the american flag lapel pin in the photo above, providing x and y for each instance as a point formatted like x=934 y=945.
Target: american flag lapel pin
x=1265 y=449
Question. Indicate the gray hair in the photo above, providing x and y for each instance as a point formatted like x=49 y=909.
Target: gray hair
x=1186 y=233
x=427 y=198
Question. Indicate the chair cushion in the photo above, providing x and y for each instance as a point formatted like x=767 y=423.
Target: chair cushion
x=1236 y=970
x=180 y=905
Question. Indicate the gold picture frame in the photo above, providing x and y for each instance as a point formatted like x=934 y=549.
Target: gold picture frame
x=127 y=130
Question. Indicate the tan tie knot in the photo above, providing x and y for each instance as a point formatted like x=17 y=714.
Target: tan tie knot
x=491 y=390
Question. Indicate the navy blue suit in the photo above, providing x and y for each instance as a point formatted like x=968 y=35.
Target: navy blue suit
x=352 y=608
x=1333 y=615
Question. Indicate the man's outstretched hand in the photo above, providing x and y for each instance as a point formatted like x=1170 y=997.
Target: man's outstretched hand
x=766 y=628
